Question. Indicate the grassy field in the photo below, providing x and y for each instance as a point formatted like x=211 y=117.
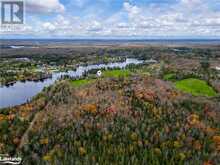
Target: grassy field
x=196 y=87
x=116 y=73
x=78 y=83
x=108 y=73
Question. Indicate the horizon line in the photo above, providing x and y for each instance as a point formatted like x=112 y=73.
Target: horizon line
x=141 y=39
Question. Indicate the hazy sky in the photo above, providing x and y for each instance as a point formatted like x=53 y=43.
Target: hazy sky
x=118 y=18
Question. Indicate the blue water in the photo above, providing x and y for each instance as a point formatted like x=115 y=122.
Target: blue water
x=21 y=92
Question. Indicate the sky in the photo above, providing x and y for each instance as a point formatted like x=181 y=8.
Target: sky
x=146 y=19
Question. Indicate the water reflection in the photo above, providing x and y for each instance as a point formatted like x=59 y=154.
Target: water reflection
x=21 y=92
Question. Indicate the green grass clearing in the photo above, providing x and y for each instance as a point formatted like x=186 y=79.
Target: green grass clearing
x=196 y=87
x=108 y=73
x=78 y=83
x=116 y=73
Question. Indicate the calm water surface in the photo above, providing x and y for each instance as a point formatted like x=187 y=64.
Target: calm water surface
x=21 y=92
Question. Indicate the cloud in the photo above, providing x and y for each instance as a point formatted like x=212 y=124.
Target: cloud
x=184 y=18
x=131 y=9
x=94 y=26
x=122 y=25
x=44 y=6
x=48 y=26
x=191 y=2
x=178 y=19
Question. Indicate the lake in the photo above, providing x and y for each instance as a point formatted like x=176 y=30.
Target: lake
x=21 y=92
